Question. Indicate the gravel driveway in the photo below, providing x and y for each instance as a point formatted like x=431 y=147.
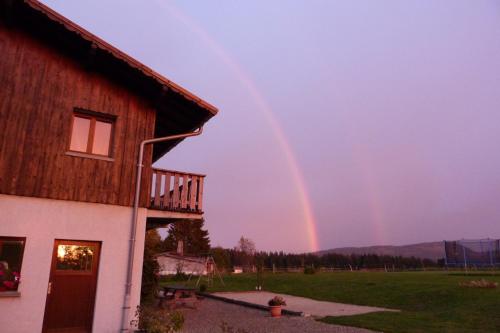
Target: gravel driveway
x=212 y=314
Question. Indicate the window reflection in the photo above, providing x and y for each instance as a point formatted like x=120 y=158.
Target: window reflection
x=91 y=134
x=80 y=134
x=102 y=135
x=74 y=257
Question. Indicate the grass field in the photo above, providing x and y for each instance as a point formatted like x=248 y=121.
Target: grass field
x=430 y=301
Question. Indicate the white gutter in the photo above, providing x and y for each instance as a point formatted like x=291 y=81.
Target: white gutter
x=133 y=228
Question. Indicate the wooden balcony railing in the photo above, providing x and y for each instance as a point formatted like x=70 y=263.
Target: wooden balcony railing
x=177 y=191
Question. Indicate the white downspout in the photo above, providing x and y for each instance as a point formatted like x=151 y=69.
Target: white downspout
x=133 y=228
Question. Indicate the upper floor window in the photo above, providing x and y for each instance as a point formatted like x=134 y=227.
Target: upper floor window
x=91 y=133
x=11 y=258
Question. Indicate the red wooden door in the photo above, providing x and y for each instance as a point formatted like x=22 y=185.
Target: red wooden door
x=72 y=287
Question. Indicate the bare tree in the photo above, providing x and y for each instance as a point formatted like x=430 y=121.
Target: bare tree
x=245 y=250
x=246 y=245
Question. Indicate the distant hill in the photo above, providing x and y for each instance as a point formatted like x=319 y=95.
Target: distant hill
x=430 y=250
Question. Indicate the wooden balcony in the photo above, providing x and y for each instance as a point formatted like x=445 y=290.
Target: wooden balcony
x=179 y=192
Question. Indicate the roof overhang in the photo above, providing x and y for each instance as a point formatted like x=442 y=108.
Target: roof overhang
x=178 y=110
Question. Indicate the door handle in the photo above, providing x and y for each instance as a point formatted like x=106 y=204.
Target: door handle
x=49 y=288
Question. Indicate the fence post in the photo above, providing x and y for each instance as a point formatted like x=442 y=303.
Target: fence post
x=445 y=255
x=465 y=257
x=491 y=253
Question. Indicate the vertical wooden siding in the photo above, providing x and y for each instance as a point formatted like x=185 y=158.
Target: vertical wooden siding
x=39 y=88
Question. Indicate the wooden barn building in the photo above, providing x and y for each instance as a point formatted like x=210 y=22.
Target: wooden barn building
x=74 y=114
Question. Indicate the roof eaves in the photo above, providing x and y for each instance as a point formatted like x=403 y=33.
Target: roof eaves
x=98 y=42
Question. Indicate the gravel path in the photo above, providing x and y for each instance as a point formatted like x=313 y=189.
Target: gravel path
x=211 y=314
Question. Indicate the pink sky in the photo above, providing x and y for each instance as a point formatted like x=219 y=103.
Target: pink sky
x=384 y=116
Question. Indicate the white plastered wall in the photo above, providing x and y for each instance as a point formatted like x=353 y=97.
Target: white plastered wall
x=42 y=221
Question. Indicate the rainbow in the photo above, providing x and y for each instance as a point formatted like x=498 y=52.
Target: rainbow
x=267 y=111
x=372 y=187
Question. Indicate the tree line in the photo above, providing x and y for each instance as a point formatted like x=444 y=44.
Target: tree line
x=226 y=259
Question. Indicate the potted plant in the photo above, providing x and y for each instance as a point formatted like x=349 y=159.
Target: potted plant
x=275 y=305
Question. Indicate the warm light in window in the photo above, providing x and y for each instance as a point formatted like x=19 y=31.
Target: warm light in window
x=74 y=257
x=61 y=251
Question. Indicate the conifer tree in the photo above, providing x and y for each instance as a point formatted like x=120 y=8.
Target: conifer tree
x=195 y=238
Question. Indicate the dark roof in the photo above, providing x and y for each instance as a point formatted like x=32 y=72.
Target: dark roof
x=177 y=256
x=178 y=110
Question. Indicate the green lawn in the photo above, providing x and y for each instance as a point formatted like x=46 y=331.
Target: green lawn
x=430 y=301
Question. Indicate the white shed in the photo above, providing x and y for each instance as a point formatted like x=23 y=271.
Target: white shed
x=172 y=263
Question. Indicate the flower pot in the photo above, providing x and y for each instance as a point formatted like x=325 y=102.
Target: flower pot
x=275 y=310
